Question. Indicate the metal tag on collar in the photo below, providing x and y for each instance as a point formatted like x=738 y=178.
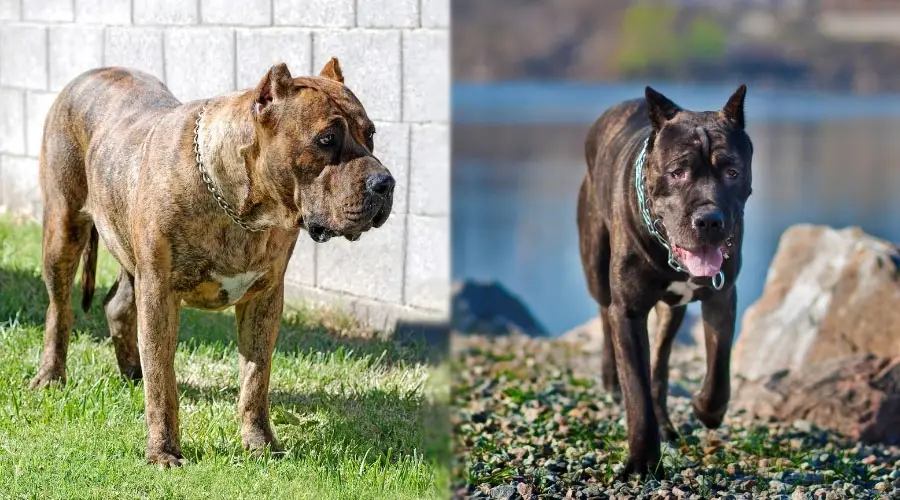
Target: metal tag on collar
x=718 y=281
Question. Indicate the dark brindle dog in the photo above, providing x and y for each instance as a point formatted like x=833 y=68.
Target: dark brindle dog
x=201 y=203
x=660 y=223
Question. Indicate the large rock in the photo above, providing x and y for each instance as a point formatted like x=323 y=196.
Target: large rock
x=489 y=308
x=829 y=293
x=857 y=396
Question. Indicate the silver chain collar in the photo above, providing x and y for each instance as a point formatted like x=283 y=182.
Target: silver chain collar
x=718 y=281
x=217 y=195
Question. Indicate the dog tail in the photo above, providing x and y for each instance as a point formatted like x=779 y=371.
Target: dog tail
x=89 y=269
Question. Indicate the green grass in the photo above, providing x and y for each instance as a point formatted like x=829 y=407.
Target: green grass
x=358 y=417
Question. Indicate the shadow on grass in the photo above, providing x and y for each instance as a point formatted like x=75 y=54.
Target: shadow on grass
x=23 y=298
x=376 y=419
x=374 y=424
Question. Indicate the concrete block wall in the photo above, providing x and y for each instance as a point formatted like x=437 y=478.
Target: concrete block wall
x=395 y=57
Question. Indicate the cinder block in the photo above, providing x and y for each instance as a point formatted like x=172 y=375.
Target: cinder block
x=392 y=148
x=239 y=13
x=387 y=13
x=166 y=12
x=426 y=76
x=23 y=56
x=428 y=262
x=48 y=10
x=429 y=177
x=103 y=11
x=302 y=266
x=19 y=186
x=12 y=121
x=259 y=49
x=138 y=48
x=371 y=267
x=73 y=50
x=315 y=13
x=199 y=62
x=10 y=10
x=37 y=104
x=435 y=13
x=370 y=60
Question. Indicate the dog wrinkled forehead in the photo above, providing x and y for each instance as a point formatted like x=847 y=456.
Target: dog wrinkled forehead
x=705 y=132
x=339 y=95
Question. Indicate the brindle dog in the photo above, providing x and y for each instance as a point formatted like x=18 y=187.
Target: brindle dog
x=693 y=182
x=201 y=203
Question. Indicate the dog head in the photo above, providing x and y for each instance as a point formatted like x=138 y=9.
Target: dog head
x=317 y=145
x=698 y=178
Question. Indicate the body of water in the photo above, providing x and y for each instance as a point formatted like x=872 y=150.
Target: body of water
x=518 y=161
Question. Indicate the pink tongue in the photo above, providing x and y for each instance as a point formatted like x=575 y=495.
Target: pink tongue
x=705 y=262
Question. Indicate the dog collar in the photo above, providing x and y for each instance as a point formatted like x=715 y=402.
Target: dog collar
x=718 y=281
x=216 y=194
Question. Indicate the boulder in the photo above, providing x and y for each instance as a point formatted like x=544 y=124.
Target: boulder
x=857 y=396
x=488 y=308
x=828 y=294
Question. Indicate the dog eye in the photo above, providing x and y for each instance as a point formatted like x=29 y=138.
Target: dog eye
x=370 y=135
x=678 y=173
x=327 y=140
x=732 y=173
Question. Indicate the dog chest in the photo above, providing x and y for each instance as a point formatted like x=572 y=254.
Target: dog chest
x=235 y=287
x=221 y=290
x=680 y=293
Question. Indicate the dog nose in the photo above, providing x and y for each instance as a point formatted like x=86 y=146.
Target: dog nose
x=380 y=183
x=709 y=222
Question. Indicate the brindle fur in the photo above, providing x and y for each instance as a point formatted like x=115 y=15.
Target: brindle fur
x=117 y=164
x=626 y=268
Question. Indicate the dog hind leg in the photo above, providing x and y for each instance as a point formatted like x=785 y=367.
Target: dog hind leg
x=121 y=315
x=66 y=230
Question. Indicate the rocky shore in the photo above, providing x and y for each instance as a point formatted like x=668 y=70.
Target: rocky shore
x=532 y=421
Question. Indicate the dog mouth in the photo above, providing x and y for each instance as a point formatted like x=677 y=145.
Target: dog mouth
x=704 y=260
x=320 y=233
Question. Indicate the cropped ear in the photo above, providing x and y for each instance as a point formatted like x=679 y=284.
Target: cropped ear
x=734 y=108
x=275 y=86
x=332 y=70
x=660 y=107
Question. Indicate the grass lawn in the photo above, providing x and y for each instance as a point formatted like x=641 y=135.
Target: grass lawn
x=358 y=417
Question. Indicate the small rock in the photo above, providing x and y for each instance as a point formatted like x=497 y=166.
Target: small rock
x=881 y=486
x=503 y=492
x=524 y=490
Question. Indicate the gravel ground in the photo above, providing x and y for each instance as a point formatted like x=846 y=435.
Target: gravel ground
x=531 y=420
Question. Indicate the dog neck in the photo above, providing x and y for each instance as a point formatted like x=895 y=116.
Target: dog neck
x=229 y=149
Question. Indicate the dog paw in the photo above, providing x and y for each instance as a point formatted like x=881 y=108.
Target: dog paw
x=260 y=442
x=612 y=387
x=131 y=372
x=165 y=459
x=668 y=433
x=710 y=418
x=47 y=376
x=641 y=467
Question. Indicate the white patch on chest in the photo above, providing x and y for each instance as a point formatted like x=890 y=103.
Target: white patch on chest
x=683 y=289
x=236 y=286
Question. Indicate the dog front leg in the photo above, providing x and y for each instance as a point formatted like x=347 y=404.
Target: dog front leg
x=157 y=308
x=719 y=313
x=257 y=324
x=632 y=351
x=668 y=321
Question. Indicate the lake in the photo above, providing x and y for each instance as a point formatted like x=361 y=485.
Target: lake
x=518 y=162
